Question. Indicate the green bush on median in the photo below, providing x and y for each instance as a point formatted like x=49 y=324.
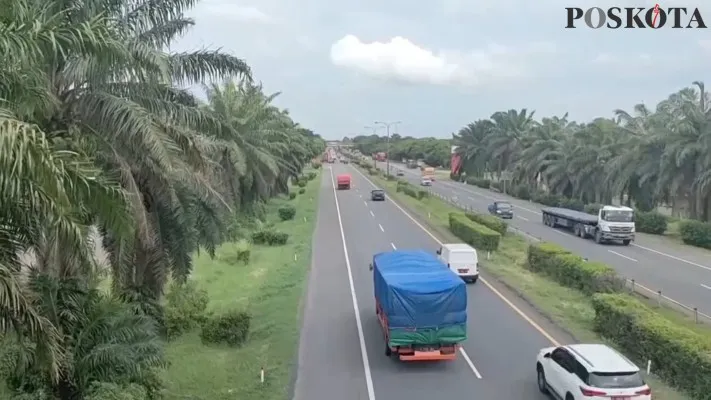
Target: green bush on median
x=489 y=221
x=571 y=270
x=477 y=235
x=650 y=222
x=679 y=355
x=696 y=233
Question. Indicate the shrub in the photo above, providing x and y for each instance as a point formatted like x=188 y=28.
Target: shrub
x=292 y=195
x=391 y=177
x=650 y=222
x=315 y=164
x=421 y=194
x=478 y=236
x=286 y=212
x=496 y=186
x=302 y=190
x=593 y=208
x=373 y=171
x=311 y=175
x=270 y=237
x=235 y=253
x=522 y=192
x=185 y=307
x=301 y=183
x=491 y=222
x=679 y=355
x=231 y=328
x=571 y=204
x=480 y=182
x=571 y=270
x=548 y=199
x=696 y=233
x=401 y=185
x=113 y=391
x=455 y=177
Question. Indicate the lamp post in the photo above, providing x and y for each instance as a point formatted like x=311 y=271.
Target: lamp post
x=387 y=146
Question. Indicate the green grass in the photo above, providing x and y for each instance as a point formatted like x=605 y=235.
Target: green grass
x=567 y=308
x=270 y=287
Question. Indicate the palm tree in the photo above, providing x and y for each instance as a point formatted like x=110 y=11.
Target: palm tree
x=645 y=159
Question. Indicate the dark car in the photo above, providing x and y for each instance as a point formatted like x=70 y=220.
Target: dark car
x=377 y=195
x=501 y=209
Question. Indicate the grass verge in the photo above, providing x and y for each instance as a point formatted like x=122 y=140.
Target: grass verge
x=271 y=287
x=567 y=308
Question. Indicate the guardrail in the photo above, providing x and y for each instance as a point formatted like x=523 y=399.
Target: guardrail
x=631 y=284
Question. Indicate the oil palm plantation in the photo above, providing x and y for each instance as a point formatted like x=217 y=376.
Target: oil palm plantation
x=645 y=158
x=95 y=132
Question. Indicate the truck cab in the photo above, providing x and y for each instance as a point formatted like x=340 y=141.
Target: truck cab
x=615 y=223
x=461 y=259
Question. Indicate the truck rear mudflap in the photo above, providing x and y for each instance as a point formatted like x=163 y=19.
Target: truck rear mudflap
x=420 y=353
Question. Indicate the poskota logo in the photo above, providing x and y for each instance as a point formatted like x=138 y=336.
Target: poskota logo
x=636 y=17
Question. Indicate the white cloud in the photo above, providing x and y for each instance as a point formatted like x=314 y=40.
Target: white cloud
x=705 y=44
x=400 y=59
x=632 y=61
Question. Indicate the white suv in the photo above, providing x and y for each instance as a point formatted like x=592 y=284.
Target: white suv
x=589 y=371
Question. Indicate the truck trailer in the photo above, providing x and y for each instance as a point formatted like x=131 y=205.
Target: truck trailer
x=343 y=181
x=611 y=224
x=421 y=305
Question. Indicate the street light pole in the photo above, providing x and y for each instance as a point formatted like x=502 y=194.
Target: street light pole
x=387 y=146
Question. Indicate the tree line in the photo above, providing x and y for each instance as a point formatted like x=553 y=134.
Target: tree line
x=100 y=142
x=645 y=158
x=435 y=152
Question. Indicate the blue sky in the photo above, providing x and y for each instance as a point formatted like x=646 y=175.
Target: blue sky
x=437 y=66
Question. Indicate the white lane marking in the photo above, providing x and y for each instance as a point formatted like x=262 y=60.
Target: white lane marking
x=469 y=362
x=622 y=255
x=366 y=203
x=520 y=217
x=705 y=286
x=393 y=246
x=371 y=213
x=503 y=298
x=354 y=298
x=673 y=257
x=381 y=227
x=560 y=233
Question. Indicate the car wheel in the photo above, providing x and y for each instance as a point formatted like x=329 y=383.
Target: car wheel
x=541 y=379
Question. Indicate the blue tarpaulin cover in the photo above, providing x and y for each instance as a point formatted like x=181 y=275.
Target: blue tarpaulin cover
x=416 y=291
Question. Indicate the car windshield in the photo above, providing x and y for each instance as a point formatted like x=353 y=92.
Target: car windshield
x=504 y=206
x=618 y=380
x=378 y=191
x=619 y=216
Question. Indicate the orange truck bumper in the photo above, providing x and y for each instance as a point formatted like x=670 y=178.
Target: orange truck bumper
x=434 y=355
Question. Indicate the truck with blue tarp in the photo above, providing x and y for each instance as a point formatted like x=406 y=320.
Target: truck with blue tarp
x=421 y=305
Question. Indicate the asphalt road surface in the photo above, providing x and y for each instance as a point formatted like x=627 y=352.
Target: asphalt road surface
x=342 y=349
x=682 y=273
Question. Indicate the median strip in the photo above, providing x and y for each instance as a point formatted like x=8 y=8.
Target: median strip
x=558 y=290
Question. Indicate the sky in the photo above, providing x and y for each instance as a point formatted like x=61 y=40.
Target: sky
x=438 y=65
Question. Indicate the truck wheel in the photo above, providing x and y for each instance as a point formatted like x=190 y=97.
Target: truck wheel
x=388 y=350
x=576 y=230
x=626 y=242
x=545 y=219
x=598 y=237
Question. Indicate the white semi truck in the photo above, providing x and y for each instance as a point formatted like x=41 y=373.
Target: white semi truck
x=611 y=224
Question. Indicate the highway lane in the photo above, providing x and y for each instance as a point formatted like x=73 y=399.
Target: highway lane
x=501 y=344
x=686 y=280
x=330 y=360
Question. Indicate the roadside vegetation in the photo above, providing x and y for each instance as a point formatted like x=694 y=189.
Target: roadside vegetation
x=255 y=285
x=654 y=160
x=587 y=299
x=102 y=149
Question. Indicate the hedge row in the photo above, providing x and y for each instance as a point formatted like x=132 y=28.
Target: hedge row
x=411 y=190
x=680 y=356
x=696 y=233
x=477 y=235
x=489 y=221
x=571 y=270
